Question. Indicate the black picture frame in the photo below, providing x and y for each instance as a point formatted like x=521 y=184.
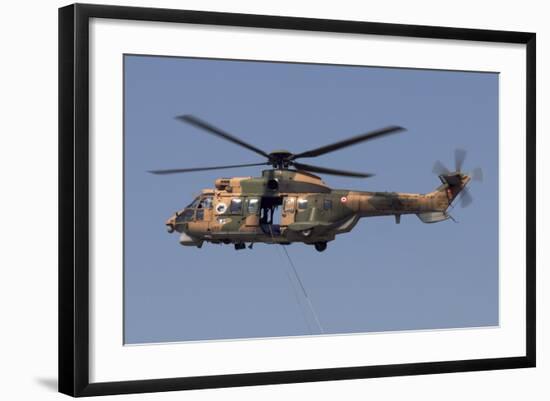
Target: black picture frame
x=74 y=198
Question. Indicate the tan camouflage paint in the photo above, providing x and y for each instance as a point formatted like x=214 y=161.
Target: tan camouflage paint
x=311 y=225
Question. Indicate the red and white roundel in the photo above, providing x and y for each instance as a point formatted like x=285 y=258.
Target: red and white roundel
x=343 y=199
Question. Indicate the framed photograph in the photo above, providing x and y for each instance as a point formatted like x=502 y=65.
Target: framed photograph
x=251 y=199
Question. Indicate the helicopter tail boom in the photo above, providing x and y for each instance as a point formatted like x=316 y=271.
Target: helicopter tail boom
x=430 y=207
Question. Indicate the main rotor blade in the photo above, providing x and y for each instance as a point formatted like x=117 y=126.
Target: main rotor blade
x=348 y=142
x=218 y=132
x=440 y=169
x=324 y=170
x=189 y=170
x=460 y=156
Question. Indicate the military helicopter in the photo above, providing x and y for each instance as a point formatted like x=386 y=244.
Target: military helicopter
x=289 y=203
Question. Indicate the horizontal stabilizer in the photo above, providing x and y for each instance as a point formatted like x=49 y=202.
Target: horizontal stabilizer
x=432 y=217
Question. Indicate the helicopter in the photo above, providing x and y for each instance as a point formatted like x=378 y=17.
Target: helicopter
x=289 y=203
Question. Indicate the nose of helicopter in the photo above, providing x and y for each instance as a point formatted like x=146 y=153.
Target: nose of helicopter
x=171 y=223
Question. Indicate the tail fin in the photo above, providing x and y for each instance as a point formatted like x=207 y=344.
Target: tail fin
x=443 y=197
x=453 y=184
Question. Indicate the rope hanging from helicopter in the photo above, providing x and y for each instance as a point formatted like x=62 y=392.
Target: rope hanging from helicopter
x=296 y=294
x=304 y=292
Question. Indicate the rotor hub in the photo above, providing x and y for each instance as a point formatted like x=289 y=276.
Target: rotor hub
x=280 y=158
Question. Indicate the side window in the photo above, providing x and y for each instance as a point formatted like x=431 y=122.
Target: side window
x=253 y=204
x=302 y=204
x=236 y=205
x=206 y=203
x=289 y=205
x=200 y=214
x=327 y=204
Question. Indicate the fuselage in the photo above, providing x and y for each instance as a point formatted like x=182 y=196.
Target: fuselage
x=285 y=206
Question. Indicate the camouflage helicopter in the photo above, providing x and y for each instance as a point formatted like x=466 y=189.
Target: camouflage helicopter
x=289 y=203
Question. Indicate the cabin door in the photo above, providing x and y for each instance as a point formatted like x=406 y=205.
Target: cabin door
x=288 y=211
x=204 y=214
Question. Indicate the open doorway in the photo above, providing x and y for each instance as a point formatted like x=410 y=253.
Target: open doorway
x=270 y=220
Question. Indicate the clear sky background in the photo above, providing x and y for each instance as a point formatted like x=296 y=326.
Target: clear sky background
x=379 y=277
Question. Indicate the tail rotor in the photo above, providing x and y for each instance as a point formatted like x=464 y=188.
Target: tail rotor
x=477 y=174
x=457 y=178
x=440 y=169
x=465 y=197
x=460 y=156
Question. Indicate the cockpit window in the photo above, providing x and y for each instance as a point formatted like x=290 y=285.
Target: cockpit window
x=194 y=204
x=302 y=204
x=253 y=204
x=236 y=205
x=206 y=203
x=187 y=215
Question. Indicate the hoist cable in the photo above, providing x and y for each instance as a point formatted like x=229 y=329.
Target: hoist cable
x=312 y=309
x=304 y=291
x=296 y=294
x=294 y=289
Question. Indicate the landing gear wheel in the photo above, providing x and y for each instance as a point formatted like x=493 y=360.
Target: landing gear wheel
x=320 y=246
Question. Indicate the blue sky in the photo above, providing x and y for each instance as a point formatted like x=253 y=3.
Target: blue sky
x=379 y=277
